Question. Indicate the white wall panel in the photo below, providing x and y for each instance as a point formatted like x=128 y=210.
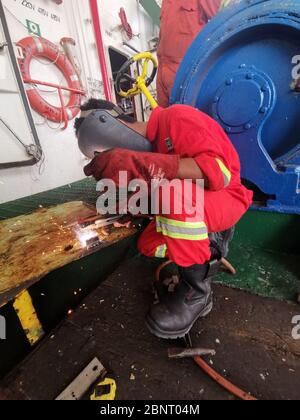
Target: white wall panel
x=63 y=161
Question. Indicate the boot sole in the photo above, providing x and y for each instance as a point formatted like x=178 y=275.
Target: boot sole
x=155 y=330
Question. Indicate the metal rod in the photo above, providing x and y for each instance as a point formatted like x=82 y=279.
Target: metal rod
x=14 y=62
x=131 y=47
x=189 y=353
x=12 y=132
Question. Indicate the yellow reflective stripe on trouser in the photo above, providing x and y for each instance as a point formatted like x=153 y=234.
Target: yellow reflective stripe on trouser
x=161 y=251
x=225 y=172
x=27 y=315
x=189 y=231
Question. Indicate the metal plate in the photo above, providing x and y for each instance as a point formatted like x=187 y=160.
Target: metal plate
x=76 y=390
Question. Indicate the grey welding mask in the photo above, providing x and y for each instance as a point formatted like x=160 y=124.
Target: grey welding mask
x=101 y=130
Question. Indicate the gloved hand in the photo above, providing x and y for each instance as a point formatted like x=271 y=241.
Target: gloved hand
x=138 y=165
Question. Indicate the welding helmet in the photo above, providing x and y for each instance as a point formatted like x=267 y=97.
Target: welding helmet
x=102 y=130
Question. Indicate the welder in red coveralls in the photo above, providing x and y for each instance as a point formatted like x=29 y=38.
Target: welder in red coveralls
x=181 y=22
x=187 y=145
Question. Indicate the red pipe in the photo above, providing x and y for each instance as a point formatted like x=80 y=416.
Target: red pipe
x=100 y=48
x=64 y=114
x=53 y=85
x=59 y=89
x=223 y=382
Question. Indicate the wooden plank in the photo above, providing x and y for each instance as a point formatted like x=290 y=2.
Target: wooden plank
x=31 y=246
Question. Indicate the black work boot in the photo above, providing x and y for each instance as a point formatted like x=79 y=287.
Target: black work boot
x=167 y=280
x=176 y=314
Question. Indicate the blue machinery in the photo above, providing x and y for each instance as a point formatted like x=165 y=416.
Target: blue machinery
x=242 y=70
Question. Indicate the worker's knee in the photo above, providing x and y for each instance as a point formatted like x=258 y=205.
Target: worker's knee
x=151 y=243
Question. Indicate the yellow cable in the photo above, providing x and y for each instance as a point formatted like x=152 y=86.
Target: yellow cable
x=140 y=84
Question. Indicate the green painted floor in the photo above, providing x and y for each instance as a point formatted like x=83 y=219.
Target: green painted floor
x=265 y=273
x=266 y=254
x=84 y=190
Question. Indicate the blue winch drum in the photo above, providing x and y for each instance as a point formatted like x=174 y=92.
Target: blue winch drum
x=244 y=70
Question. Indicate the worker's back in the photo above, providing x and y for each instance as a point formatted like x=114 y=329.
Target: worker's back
x=181 y=21
x=185 y=131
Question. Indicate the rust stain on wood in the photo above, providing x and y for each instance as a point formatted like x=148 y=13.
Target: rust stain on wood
x=32 y=246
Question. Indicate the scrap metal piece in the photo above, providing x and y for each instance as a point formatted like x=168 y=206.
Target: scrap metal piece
x=179 y=353
x=76 y=390
x=93 y=243
x=97 y=221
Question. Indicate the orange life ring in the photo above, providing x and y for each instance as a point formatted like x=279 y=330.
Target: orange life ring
x=40 y=47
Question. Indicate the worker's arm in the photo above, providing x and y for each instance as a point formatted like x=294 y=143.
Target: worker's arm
x=189 y=169
x=137 y=165
x=156 y=166
x=215 y=171
x=143 y=165
x=218 y=176
x=212 y=163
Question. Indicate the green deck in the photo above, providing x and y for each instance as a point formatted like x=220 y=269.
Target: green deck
x=84 y=190
x=266 y=254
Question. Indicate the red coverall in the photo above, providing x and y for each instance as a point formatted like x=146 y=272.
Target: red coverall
x=181 y=21
x=185 y=131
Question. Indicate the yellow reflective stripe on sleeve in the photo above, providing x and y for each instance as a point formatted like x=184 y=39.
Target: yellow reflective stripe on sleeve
x=187 y=237
x=225 y=172
x=161 y=251
x=178 y=223
x=182 y=230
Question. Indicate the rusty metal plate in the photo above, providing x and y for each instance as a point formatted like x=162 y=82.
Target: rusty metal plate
x=33 y=245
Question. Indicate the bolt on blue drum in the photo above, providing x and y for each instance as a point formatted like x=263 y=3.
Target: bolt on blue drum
x=243 y=70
